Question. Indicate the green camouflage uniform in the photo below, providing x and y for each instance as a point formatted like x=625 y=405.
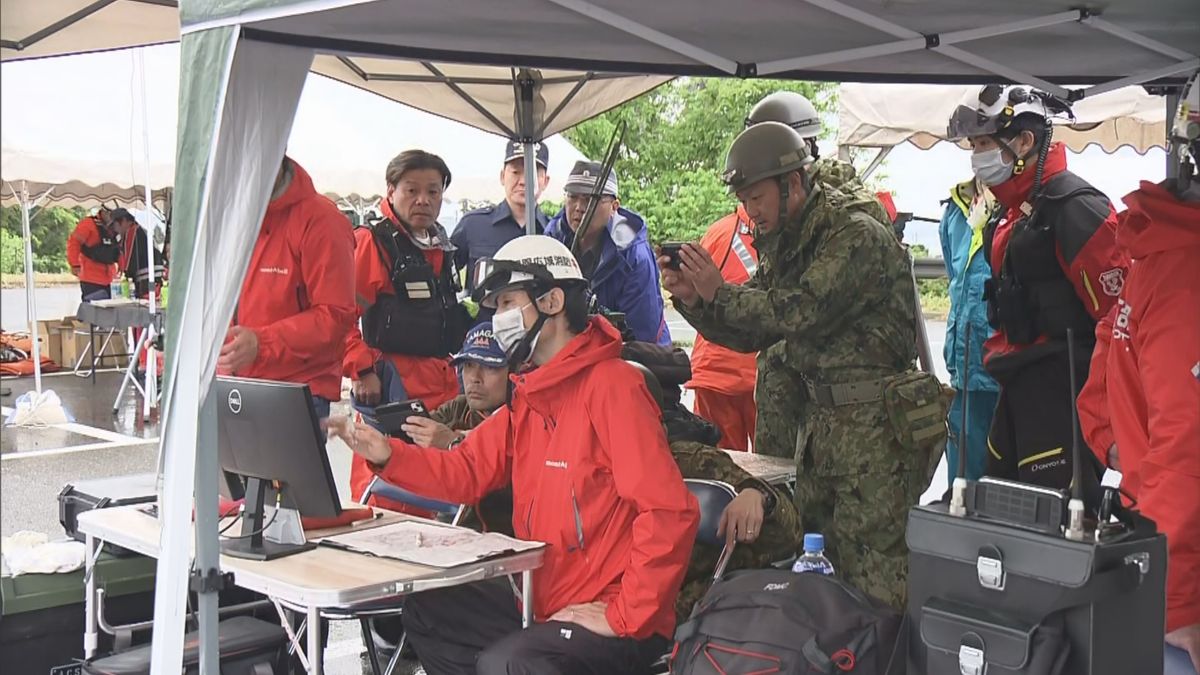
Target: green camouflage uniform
x=777 y=394
x=833 y=302
x=778 y=540
x=495 y=509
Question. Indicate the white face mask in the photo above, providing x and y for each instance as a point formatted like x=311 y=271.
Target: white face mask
x=508 y=327
x=989 y=166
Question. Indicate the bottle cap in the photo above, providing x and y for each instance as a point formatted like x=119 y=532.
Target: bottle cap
x=813 y=542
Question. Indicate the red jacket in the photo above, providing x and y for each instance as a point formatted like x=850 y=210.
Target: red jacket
x=298 y=295
x=87 y=233
x=1089 y=257
x=1144 y=389
x=592 y=476
x=430 y=379
x=714 y=367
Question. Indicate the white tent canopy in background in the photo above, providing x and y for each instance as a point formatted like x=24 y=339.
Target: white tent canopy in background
x=89 y=147
x=886 y=115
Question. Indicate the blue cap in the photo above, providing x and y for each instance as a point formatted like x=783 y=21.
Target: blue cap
x=813 y=542
x=481 y=347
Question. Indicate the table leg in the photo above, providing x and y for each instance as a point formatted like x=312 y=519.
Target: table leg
x=91 y=634
x=316 y=654
x=92 y=346
x=130 y=372
x=526 y=598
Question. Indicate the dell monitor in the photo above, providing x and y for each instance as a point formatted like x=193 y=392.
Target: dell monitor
x=271 y=449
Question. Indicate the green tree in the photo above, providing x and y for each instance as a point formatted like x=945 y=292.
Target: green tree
x=49 y=228
x=12 y=253
x=675 y=142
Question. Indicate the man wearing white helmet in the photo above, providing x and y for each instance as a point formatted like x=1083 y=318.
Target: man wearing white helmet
x=1055 y=267
x=1139 y=409
x=592 y=475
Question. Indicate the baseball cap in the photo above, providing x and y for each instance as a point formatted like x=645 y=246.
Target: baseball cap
x=583 y=177
x=481 y=347
x=515 y=149
x=119 y=214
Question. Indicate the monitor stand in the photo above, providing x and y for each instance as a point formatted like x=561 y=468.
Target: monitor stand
x=252 y=545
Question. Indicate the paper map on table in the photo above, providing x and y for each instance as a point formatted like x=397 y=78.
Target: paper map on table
x=431 y=544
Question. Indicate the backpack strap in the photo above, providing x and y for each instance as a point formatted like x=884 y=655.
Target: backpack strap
x=844 y=659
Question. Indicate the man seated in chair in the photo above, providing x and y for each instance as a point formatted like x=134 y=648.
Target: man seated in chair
x=581 y=442
x=762 y=519
x=761 y=522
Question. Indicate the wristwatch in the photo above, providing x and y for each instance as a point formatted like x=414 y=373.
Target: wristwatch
x=458 y=439
x=770 y=500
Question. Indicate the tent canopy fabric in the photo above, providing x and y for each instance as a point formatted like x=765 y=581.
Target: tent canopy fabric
x=883 y=116
x=92 y=149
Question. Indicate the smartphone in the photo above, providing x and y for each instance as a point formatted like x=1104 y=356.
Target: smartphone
x=671 y=250
x=392 y=416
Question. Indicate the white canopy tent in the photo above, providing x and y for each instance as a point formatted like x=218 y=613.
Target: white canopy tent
x=886 y=115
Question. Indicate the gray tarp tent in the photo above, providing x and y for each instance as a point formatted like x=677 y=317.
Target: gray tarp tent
x=246 y=63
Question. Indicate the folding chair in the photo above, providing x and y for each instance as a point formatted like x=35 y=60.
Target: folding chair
x=366 y=614
x=714 y=497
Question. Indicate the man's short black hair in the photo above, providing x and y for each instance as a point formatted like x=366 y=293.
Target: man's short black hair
x=1025 y=122
x=576 y=302
x=415 y=160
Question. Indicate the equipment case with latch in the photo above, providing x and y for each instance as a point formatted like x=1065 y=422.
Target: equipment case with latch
x=82 y=496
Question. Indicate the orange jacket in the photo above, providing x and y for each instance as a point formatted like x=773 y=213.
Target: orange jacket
x=87 y=233
x=1143 y=391
x=715 y=367
x=298 y=295
x=592 y=476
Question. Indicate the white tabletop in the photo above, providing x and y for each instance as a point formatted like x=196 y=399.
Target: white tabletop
x=323 y=577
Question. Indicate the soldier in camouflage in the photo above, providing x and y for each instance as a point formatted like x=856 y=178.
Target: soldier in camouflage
x=777 y=395
x=761 y=520
x=833 y=302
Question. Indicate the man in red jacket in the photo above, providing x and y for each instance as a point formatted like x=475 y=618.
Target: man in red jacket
x=593 y=478
x=297 y=301
x=92 y=253
x=1140 y=410
x=1055 y=267
x=406 y=289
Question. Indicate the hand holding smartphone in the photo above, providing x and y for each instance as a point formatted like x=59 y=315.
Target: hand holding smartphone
x=392 y=416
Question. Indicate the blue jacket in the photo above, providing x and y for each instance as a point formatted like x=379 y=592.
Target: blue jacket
x=962 y=250
x=626 y=278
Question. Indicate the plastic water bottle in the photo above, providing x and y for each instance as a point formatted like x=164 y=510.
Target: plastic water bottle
x=125 y=288
x=114 y=289
x=814 y=559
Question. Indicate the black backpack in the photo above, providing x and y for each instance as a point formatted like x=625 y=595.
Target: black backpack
x=776 y=621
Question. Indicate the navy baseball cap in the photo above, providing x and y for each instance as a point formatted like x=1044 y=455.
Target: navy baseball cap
x=515 y=149
x=481 y=347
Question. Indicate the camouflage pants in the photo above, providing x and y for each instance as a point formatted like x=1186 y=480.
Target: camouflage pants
x=779 y=398
x=855 y=484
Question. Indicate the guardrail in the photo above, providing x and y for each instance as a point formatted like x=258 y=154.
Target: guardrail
x=930 y=268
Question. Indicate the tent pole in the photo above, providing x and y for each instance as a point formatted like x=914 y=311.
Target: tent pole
x=33 y=325
x=150 y=391
x=1173 y=149
x=526 y=85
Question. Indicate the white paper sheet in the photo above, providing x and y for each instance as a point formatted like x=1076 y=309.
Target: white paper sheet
x=428 y=543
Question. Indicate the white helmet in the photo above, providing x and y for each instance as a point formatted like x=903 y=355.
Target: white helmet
x=994 y=107
x=527 y=260
x=790 y=108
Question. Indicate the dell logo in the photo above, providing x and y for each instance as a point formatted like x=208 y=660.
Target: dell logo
x=235 y=401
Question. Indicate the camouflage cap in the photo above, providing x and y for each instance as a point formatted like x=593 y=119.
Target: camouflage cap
x=764 y=150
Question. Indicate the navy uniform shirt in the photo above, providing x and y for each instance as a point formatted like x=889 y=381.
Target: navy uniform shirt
x=482 y=232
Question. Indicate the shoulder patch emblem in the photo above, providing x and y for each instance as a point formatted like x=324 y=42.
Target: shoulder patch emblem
x=1113 y=281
